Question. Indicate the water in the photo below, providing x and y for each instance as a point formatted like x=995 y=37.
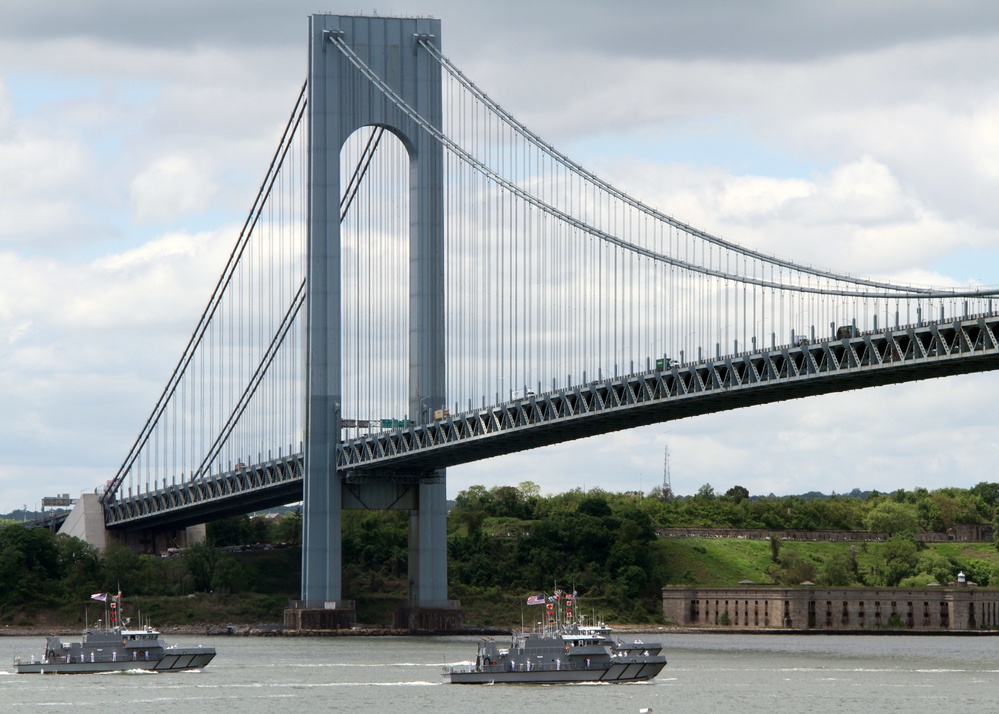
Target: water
x=706 y=673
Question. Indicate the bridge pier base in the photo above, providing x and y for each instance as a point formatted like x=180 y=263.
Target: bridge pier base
x=411 y=615
x=339 y=615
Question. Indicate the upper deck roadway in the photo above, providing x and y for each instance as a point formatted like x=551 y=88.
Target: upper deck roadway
x=892 y=356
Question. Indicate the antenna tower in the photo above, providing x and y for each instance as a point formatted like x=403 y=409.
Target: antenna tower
x=667 y=485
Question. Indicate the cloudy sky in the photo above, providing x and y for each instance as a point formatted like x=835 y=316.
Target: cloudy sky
x=857 y=136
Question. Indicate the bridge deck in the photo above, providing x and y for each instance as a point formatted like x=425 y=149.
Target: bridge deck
x=751 y=378
x=871 y=359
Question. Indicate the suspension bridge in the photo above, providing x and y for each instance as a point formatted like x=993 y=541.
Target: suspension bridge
x=422 y=282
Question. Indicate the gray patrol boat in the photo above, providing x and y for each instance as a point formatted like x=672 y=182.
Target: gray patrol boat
x=564 y=651
x=114 y=649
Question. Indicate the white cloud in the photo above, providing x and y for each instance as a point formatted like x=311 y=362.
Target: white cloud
x=5 y=110
x=36 y=186
x=170 y=188
x=855 y=218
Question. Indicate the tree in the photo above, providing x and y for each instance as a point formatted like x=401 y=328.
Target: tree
x=29 y=564
x=594 y=506
x=529 y=489
x=793 y=571
x=289 y=528
x=840 y=570
x=81 y=563
x=202 y=560
x=120 y=568
x=234 y=530
x=899 y=557
x=509 y=503
x=893 y=518
x=938 y=567
x=706 y=492
x=988 y=492
x=473 y=498
x=633 y=580
x=774 y=548
x=737 y=494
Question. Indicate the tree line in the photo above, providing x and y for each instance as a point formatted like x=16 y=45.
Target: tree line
x=512 y=539
x=912 y=511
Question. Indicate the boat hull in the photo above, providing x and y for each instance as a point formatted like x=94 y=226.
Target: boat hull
x=173 y=660
x=617 y=672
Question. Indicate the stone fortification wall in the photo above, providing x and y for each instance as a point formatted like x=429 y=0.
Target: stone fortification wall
x=813 y=608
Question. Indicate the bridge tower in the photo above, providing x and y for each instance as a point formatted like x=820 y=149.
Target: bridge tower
x=340 y=102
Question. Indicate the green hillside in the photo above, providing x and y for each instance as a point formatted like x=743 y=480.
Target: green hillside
x=724 y=562
x=508 y=542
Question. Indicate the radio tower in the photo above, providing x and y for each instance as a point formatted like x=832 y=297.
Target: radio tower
x=667 y=486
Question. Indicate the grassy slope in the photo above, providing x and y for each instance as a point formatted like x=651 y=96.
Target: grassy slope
x=722 y=562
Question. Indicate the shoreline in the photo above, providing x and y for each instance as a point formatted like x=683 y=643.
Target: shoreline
x=262 y=630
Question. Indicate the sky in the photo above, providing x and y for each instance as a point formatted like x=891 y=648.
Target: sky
x=855 y=136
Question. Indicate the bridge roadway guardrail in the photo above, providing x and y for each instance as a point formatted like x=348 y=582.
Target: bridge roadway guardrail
x=889 y=356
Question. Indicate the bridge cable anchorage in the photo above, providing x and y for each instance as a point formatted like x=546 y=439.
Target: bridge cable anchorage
x=896 y=289
x=892 y=291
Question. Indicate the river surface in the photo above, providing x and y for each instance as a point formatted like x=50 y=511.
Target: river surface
x=706 y=673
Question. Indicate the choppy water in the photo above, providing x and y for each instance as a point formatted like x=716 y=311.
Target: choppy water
x=706 y=673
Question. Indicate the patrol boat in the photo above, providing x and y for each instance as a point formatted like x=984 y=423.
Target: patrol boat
x=114 y=648
x=564 y=651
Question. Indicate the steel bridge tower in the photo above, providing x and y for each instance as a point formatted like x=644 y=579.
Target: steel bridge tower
x=340 y=102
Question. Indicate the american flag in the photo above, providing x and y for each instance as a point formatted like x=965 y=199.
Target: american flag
x=536 y=600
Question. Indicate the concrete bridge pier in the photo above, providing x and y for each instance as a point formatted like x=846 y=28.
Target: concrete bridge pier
x=86 y=522
x=428 y=607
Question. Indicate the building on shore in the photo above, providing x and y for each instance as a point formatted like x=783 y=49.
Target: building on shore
x=753 y=607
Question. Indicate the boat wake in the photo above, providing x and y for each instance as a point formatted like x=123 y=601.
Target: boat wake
x=366 y=665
